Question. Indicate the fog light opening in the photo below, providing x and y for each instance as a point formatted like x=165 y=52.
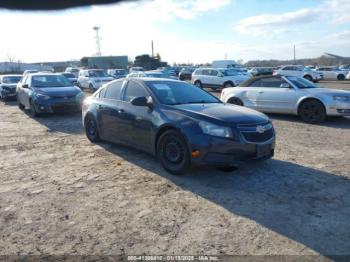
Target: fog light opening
x=196 y=153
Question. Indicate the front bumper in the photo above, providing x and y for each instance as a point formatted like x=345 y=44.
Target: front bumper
x=8 y=93
x=215 y=151
x=340 y=109
x=57 y=105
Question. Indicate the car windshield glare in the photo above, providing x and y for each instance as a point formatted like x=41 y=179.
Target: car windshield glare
x=301 y=82
x=50 y=81
x=175 y=93
x=11 y=79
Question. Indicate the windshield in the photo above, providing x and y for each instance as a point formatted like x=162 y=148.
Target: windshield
x=301 y=82
x=11 y=79
x=120 y=72
x=50 y=81
x=98 y=73
x=175 y=93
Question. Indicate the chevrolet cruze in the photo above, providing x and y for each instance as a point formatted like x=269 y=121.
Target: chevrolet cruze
x=179 y=123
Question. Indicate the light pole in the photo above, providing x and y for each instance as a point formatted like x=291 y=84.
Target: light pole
x=98 y=40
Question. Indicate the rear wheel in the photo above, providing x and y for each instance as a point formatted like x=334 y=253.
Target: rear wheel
x=308 y=77
x=228 y=85
x=312 y=111
x=341 y=77
x=172 y=152
x=198 y=84
x=91 y=129
x=235 y=101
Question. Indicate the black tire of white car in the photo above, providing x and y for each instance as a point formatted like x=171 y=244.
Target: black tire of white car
x=20 y=106
x=308 y=77
x=32 y=109
x=312 y=111
x=229 y=84
x=341 y=77
x=235 y=101
x=198 y=84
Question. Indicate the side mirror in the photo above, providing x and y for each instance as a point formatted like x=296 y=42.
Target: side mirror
x=285 y=85
x=25 y=86
x=140 y=101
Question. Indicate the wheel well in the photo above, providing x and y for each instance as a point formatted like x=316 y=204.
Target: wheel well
x=306 y=76
x=86 y=116
x=341 y=74
x=233 y=97
x=229 y=82
x=310 y=99
x=160 y=132
x=197 y=80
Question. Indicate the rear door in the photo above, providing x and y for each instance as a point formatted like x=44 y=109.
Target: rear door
x=276 y=96
x=109 y=110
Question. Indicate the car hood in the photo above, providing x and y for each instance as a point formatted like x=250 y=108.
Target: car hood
x=226 y=113
x=327 y=91
x=59 y=91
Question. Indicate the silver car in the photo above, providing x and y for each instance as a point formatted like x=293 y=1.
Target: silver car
x=289 y=95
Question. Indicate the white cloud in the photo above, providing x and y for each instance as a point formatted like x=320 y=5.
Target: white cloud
x=275 y=23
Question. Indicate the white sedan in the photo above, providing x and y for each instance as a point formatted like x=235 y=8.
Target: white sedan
x=289 y=95
x=330 y=73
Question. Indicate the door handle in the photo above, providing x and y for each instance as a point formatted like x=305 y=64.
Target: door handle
x=261 y=92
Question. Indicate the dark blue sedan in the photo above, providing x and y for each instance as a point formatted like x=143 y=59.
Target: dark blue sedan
x=48 y=93
x=179 y=123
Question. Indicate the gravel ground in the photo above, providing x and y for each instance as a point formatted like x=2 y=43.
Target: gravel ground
x=60 y=194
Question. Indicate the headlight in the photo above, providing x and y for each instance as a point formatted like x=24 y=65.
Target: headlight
x=215 y=130
x=42 y=96
x=341 y=98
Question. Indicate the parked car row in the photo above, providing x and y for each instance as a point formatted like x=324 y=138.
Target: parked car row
x=180 y=123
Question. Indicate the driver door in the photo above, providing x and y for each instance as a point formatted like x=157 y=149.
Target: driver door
x=276 y=96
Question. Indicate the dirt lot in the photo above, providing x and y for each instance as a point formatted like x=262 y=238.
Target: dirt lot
x=60 y=194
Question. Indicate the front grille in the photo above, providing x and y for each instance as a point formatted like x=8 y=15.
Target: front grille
x=65 y=107
x=255 y=137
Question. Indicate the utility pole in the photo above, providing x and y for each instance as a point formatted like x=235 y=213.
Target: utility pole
x=294 y=55
x=98 y=40
x=152 y=48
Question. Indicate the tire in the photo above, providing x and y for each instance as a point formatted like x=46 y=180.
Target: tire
x=32 y=109
x=308 y=77
x=173 y=153
x=91 y=88
x=228 y=85
x=20 y=106
x=312 y=111
x=235 y=101
x=341 y=77
x=198 y=84
x=91 y=129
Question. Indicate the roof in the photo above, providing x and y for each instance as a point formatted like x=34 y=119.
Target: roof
x=251 y=80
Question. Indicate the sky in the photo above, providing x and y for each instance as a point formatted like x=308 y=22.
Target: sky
x=183 y=31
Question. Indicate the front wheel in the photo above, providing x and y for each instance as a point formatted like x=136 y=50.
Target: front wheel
x=228 y=85
x=91 y=129
x=312 y=111
x=198 y=84
x=341 y=77
x=235 y=101
x=172 y=152
x=307 y=77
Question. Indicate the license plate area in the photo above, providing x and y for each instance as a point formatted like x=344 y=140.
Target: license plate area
x=263 y=150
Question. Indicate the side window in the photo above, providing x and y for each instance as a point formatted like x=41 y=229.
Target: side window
x=256 y=83
x=214 y=73
x=206 y=72
x=133 y=90
x=102 y=93
x=288 y=68
x=272 y=82
x=113 y=90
